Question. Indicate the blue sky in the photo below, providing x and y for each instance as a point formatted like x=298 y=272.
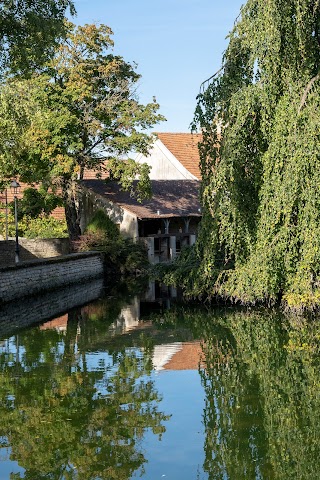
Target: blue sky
x=177 y=44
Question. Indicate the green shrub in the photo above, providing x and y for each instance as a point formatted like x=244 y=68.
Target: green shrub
x=35 y=203
x=40 y=227
x=181 y=272
x=43 y=227
x=33 y=216
x=122 y=254
x=100 y=222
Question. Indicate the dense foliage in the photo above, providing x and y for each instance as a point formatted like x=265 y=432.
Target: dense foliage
x=34 y=220
x=260 y=235
x=43 y=226
x=79 y=111
x=29 y=30
x=37 y=202
x=122 y=255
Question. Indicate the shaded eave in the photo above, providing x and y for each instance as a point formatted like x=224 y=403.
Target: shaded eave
x=170 y=199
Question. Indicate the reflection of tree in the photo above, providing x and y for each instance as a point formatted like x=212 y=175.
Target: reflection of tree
x=262 y=402
x=64 y=418
x=233 y=415
x=262 y=397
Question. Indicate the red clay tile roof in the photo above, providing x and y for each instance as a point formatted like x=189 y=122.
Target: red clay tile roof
x=184 y=146
x=190 y=357
x=172 y=198
x=58 y=323
x=57 y=213
x=93 y=174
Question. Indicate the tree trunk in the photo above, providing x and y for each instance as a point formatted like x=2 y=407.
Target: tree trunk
x=71 y=206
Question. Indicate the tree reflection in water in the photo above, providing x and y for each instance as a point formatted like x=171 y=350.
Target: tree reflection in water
x=260 y=372
x=262 y=397
x=76 y=405
x=70 y=414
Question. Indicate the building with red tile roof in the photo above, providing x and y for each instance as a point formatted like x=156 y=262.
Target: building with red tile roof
x=167 y=221
x=170 y=218
x=174 y=156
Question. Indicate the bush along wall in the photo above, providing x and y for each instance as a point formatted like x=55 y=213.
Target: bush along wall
x=122 y=255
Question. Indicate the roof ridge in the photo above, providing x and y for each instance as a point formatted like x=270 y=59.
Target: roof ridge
x=177 y=133
x=184 y=147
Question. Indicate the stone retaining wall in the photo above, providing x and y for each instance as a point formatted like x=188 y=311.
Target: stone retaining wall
x=31 y=249
x=36 y=309
x=31 y=278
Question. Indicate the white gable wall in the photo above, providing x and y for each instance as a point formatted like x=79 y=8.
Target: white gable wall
x=164 y=165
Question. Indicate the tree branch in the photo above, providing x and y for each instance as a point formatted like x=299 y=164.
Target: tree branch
x=307 y=90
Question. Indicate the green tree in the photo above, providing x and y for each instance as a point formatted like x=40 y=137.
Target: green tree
x=36 y=202
x=260 y=238
x=29 y=31
x=79 y=112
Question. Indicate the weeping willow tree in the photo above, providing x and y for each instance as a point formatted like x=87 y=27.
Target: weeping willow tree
x=260 y=157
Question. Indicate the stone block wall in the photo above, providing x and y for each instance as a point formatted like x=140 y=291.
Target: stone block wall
x=31 y=249
x=36 y=309
x=31 y=278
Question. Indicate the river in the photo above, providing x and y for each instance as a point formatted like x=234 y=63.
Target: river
x=121 y=388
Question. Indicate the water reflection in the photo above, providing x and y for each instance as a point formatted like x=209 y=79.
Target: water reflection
x=261 y=382
x=38 y=308
x=231 y=394
x=70 y=409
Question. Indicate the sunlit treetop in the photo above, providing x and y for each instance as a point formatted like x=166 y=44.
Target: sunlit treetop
x=29 y=31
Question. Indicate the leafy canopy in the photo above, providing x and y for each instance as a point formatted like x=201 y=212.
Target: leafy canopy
x=80 y=111
x=29 y=30
x=260 y=238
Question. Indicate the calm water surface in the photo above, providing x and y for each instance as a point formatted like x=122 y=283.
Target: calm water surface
x=110 y=391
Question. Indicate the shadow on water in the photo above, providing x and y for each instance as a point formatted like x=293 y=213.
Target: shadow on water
x=36 y=309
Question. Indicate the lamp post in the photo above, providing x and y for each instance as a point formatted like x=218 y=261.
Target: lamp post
x=6 y=200
x=15 y=186
x=5 y=191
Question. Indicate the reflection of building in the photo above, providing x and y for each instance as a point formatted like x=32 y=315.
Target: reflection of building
x=59 y=324
x=166 y=356
x=128 y=319
x=158 y=292
x=177 y=356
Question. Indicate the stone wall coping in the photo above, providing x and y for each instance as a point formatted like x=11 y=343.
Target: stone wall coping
x=45 y=261
x=31 y=239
